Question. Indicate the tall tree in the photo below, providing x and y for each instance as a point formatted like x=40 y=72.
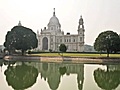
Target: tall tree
x=20 y=38
x=108 y=41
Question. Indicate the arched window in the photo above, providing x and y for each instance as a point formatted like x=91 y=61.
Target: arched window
x=51 y=28
x=45 y=43
x=73 y=40
x=80 y=38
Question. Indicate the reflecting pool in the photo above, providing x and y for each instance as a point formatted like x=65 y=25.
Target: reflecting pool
x=58 y=76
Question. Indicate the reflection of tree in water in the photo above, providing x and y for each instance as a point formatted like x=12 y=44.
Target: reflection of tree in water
x=21 y=76
x=9 y=62
x=62 y=70
x=109 y=79
x=3 y=62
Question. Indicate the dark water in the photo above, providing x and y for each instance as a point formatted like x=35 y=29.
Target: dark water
x=58 y=76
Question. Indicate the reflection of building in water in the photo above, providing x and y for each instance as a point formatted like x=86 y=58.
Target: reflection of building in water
x=76 y=69
x=50 y=72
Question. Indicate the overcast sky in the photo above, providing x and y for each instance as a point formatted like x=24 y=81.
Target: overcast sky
x=98 y=15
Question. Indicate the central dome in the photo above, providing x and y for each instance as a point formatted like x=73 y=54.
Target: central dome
x=54 y=20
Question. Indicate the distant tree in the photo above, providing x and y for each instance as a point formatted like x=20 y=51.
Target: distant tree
x=62 y=47
x=20 y=38
x=50 y=50
x=108 y=41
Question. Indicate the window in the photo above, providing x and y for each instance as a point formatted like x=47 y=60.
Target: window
x=51 y=28
x=65 y=40
x=57 y=27
x=69 y=40
x=73 y=40
x=51 y=40
x=60 y=40
x=67 y=46
x=80 y=38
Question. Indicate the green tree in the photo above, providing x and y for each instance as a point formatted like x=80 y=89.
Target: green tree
x=62 y=48
x=20 y=38
x=108 y=41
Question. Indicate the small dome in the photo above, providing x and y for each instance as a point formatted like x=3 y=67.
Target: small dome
x=54 y=20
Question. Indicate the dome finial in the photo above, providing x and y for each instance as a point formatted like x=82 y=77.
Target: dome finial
x=80 y=16
x=19 y=24
x=54 y=12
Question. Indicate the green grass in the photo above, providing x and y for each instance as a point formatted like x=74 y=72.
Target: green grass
x=77 y=55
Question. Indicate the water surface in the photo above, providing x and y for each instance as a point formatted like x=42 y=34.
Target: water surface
x=58 y=76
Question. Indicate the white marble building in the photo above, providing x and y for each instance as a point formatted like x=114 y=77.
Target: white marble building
x=52 y=36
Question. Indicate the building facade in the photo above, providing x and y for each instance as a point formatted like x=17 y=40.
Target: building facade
x=51 y=37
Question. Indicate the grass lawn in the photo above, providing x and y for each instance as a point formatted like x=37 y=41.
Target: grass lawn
x=77 y=55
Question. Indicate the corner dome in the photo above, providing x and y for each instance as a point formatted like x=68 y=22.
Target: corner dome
x=54 y=20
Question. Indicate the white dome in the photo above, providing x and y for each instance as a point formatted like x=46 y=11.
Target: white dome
x=54 y=20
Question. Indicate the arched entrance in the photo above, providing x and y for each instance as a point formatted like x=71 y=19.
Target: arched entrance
x=45 y=43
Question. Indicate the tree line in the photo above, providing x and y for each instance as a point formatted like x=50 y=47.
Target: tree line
x=23 y=39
